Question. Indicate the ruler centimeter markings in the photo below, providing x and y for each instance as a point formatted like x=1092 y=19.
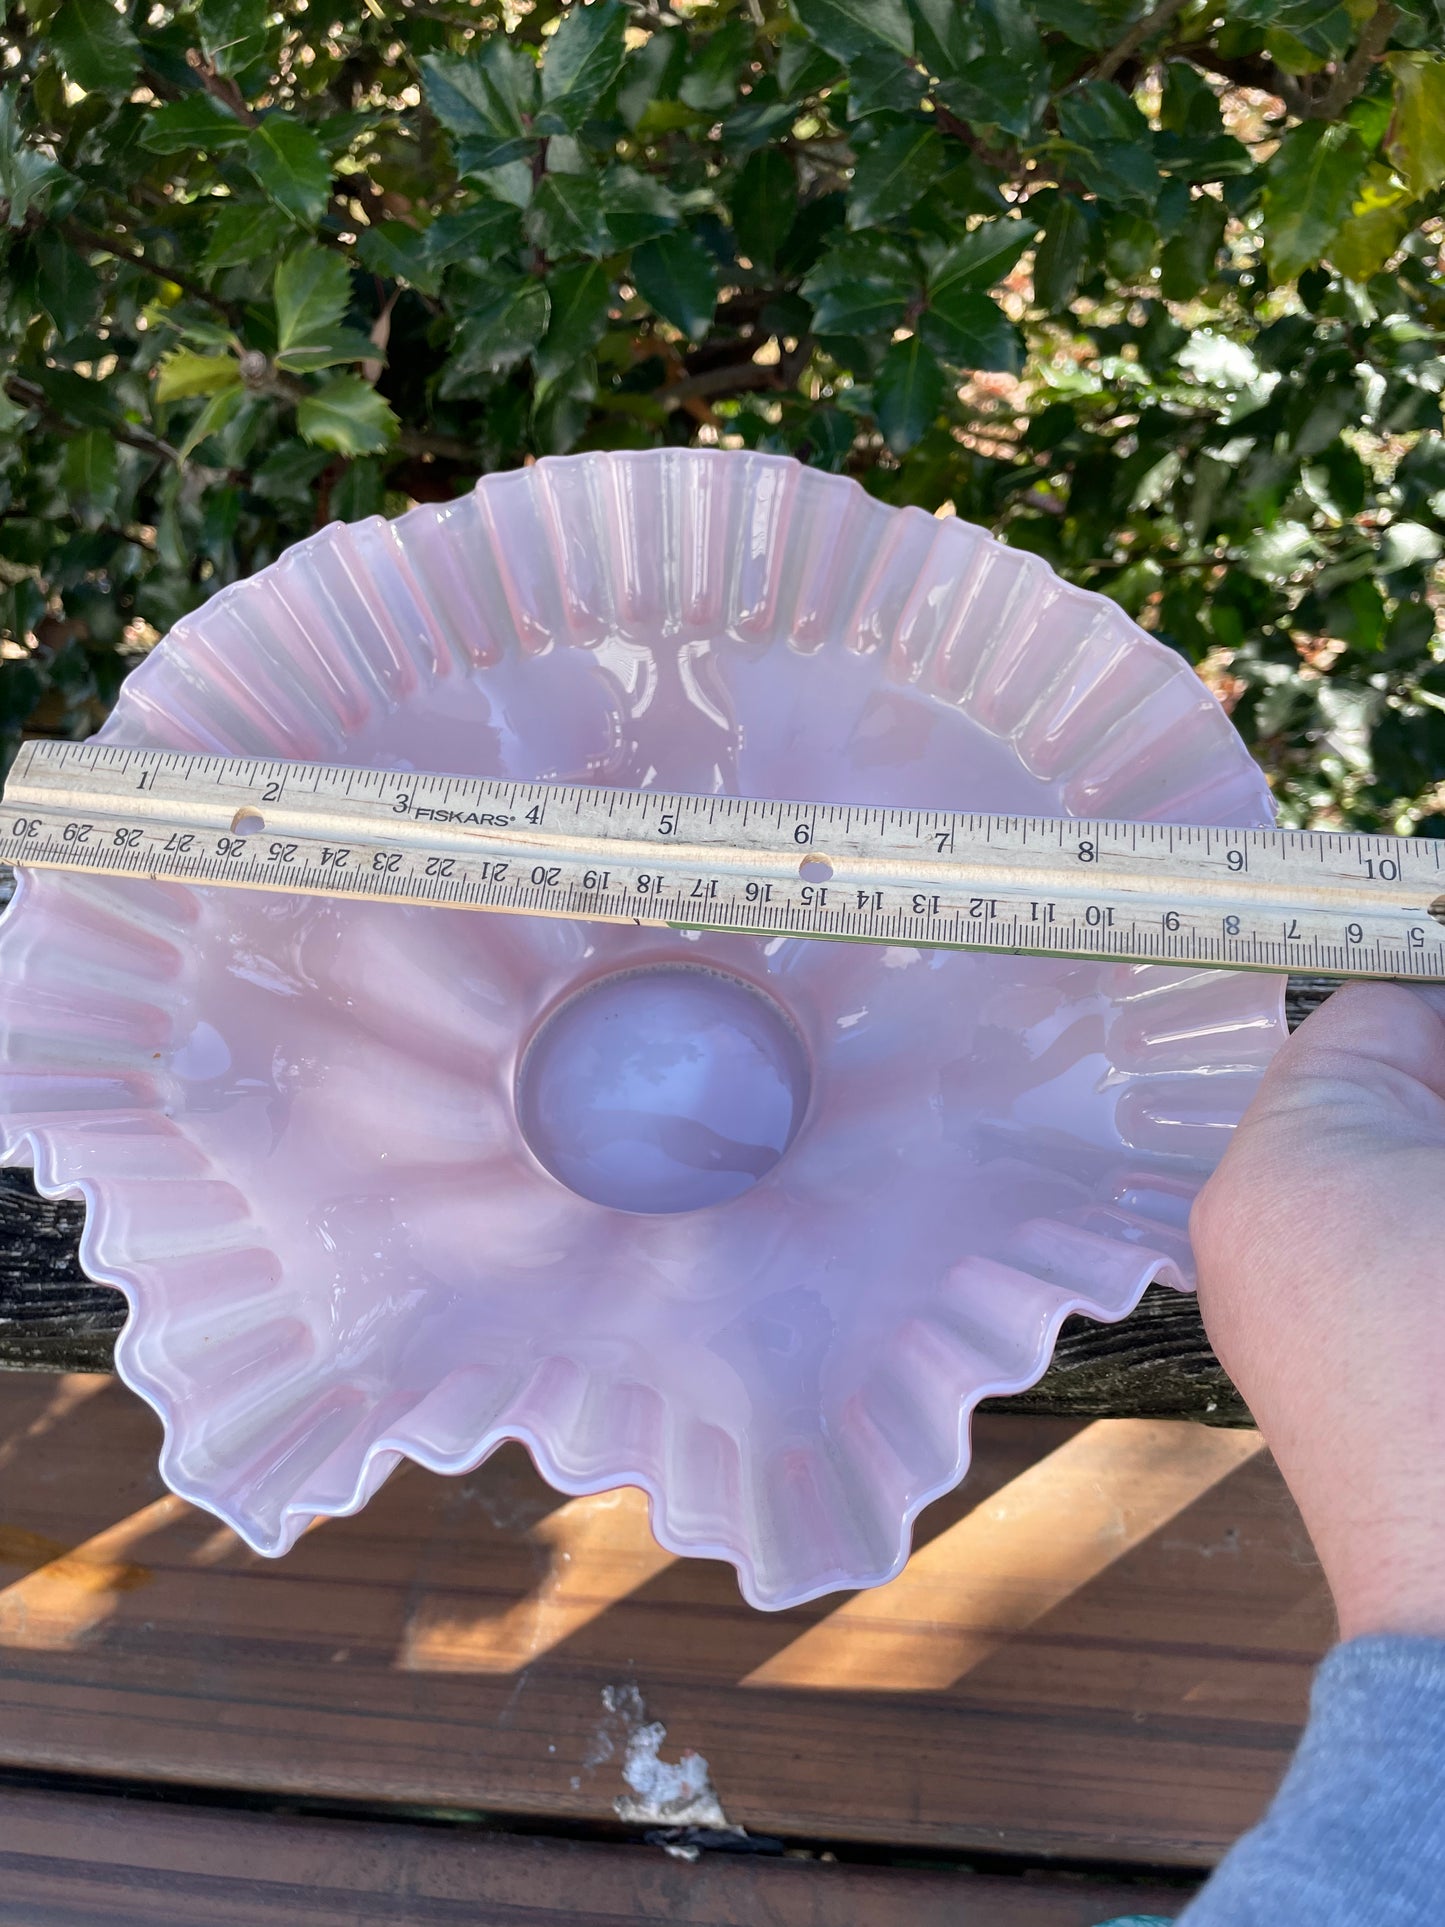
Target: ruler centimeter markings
x=1335 y=902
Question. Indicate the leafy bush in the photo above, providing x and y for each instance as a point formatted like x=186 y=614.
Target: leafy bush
x=1156 y=295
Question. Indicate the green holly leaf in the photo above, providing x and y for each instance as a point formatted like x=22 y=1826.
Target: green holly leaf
x=1370 y=116
x=346 y=414
x=677 y=278
x=1310 y=186
x=1217 y=159
x=476 y=234
x=884 y=85
x=758 y=121
x=509 y=181
x=1087 y=25
x=850 y=28
x=579 y=300
x=243 y=233
x=1188 y=260
x=1416 y=142
x=636 y=206
x=708 y=82
x=1188 y=106
x=1107 y=142
x=290 y=164
x=861 y=286
x=764 y=204
x=982 y=256
x=90 y=473
x=399 y=252
x=1131 y=242
x=581 y=61
x=907 y=394
x=1061 y=254
x=485 y=101
x=329 y=348
x=67 y=285
x=944 y=37
x=197 y=125
x=26 y=175
x=650 y=76
x=894 y=174
x=997 y=91
x=94 y=45
x=1378 y=222
x=1100 y=112
x=496 y=336
x=970 y=330
x=77 y=398
x=360 y=492
x=233 y=32
x=313 y=291
x=183 y=374
x=218 y=413
x=565 y=215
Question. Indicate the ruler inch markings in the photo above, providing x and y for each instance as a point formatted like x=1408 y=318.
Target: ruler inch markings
x=1360 y=903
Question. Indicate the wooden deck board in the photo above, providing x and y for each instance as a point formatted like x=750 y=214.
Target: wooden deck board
x=82 y=1860
x=1101 y=1649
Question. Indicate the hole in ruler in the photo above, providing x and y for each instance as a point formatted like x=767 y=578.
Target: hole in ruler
x=815 y=869
x=248 y=822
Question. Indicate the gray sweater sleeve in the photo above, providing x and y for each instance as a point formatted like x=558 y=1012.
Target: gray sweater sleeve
x=1356 y=1834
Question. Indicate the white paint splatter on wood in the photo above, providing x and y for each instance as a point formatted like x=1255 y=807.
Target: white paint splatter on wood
x=676 y=1796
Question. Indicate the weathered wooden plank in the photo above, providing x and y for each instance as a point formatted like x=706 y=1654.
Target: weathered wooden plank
x=87 y=1860
x=51 y=1316
x=1099 y=1651
x=1157 y=1364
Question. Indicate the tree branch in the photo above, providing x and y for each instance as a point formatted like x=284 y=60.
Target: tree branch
x=732 y=380
x=1254 y=70
x=29 y=394
x=88 y=237
x=1349 y=79
x=1006 y=159
x=127 y=535
x=220 y=87
x=1143 y=29
x=442 y=448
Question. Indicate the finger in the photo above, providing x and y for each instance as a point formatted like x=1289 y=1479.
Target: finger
x=1368 y=1026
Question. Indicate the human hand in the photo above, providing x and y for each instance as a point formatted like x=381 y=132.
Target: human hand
x=1321 y=1249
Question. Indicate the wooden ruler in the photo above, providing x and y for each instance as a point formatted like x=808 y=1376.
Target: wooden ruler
x=1332 y=902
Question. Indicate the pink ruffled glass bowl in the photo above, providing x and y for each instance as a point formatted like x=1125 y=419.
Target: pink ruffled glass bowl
x=751 y=1225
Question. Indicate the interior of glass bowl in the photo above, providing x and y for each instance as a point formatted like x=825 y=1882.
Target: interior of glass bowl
x=751 y=1224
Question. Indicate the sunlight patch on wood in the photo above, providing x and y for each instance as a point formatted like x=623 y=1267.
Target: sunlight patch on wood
x=591 y=1553
x=1012 y=1560
x=72 y=1590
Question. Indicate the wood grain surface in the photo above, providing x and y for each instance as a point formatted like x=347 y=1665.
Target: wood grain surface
x=1158 y=1363
x=1100 y=1650
x=82 y=1860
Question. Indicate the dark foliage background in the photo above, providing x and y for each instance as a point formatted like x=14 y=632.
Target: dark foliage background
x=1157 y=294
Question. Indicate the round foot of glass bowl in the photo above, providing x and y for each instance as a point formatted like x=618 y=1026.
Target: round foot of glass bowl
x=750 y=1224
x=663 y=1090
